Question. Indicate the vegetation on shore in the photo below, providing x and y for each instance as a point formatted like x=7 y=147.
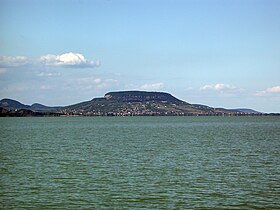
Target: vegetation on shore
x=123 y=103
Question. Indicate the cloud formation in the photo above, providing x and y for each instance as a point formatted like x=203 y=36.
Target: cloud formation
x=68 y=60
x=221 y=89
x=154 y=86
x=47 y=87
x=275 y=89
x=91 y=83
x=72 y=60
x=10 y=61
x=49 y=74
x=218 y=87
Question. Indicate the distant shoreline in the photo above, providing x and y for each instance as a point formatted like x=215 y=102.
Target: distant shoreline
x=29 y=113
x=125 y=103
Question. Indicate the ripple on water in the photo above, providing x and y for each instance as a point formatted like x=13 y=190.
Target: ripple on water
x=140 y=162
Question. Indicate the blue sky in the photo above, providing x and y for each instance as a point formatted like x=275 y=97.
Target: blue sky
x=213 y=52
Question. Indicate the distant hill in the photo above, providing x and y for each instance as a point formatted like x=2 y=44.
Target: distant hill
x=42 y=108
x=140 y=96
x=10 y=104
x=140 y=103
x=24 y=113
x=124 y=103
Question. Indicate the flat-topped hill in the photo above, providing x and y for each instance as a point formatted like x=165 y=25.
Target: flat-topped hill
x=140 y=103
x=121 y=103
x=140 y=96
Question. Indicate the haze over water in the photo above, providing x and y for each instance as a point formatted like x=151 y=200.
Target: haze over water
x=140 y=162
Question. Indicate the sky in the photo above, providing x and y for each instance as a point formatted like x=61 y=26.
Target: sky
x=213 y=52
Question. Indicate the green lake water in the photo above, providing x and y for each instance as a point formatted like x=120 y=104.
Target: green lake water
x=140 y=163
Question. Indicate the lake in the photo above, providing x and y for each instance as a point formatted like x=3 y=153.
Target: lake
x=140 y=163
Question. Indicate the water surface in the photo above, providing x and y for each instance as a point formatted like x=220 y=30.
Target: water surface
x=140 y=162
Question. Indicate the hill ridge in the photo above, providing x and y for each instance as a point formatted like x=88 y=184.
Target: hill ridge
x=128 y=103
x=140 y=96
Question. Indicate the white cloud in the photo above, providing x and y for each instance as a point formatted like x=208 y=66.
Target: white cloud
x=154 y=86
x=47 y=87
x=49 y=74
x=189 y=88
x=260 y=93
x=68 y=60
x=275 y=89
x=221 y=89
x=91 y=83
x=74 y=60
x=10 y=61
x=218 y=87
